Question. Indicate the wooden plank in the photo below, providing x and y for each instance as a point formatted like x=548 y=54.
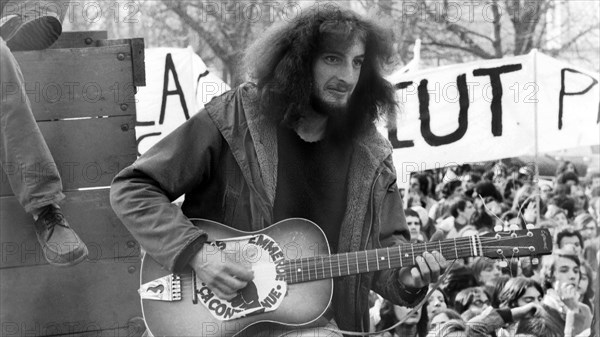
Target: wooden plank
x=84 y=82
x=91 y=296
x=79 y=39
x=138 y=57
x=62 y=329
x=87 y=152
x=89 y=213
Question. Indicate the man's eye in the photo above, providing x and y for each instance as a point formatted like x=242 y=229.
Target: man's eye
x=331 y=59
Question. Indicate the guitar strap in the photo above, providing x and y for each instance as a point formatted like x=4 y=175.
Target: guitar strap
x=415 y=309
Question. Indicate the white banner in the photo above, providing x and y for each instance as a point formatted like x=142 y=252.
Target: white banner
x=486 y=110
x=178 y=84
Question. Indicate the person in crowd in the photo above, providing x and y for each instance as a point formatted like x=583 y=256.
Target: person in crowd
x=566 y=166
x=452 y=328
x=526 y=204
x=586 y=225
x=450 y=190
x=419 y=186
x=459 y=277
x=413 y=221
x=469 y=180
x=440 y=318
x=546 y=191
x=569 y=239
x=428 y=227
x=511 y=220
x=517 y=292
x=561 y=190
x=557 y=215
x=462 y=211
x=437 y=301
x=471 y=302
x=581 y=202
x=495 y=294
x=568 y=178
x=487 y=216
x=485 y=324
x=561 y=275
x=299 y=141
x=588 y=228
x=510 y=189
x=414 y=325
x=486 y=271
x=586 y=285
x=595 y=203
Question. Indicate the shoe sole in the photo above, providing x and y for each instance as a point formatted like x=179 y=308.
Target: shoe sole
x=36 y=34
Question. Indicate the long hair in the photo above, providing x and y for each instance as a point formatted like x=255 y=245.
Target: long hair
x=465 y=298
x=547 y=323
x=388 y=318
x=515 y=288
x=281 y=62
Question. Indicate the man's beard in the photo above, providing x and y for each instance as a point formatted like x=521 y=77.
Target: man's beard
x=342 y=122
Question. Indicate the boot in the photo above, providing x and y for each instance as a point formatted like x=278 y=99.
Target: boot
x=31 y=25
x=61 y=245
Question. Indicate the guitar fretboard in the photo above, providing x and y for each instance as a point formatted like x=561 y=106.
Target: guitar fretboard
x=324 y=267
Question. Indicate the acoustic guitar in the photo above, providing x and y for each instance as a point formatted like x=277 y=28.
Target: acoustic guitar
x=293 y=272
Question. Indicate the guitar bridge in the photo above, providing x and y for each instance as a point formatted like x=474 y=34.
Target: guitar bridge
x=166 y=288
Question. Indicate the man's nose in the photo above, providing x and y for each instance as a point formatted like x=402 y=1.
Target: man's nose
x=347 y=73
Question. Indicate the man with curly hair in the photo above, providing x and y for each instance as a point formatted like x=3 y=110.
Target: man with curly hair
x=298 y=141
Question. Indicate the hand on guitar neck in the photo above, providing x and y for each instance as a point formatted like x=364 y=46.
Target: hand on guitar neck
x=428 y=268
x=220 y=271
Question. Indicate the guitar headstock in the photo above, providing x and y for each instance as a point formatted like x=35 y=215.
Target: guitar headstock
x=513 y=244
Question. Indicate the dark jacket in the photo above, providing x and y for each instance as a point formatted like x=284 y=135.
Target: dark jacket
x=224 y=159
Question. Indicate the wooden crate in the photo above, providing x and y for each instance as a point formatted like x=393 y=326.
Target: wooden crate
x=82 y=94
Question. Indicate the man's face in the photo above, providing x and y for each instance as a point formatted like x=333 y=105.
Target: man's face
x=489 y=275
x=570 y=242
x=401 y=312
x=566 y=271
x=414 y=226
x=531 y=295
x=335 y=72
x=468 y=211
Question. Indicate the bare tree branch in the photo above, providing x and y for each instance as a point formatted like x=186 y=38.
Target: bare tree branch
x=210 y=39
x=564 y=47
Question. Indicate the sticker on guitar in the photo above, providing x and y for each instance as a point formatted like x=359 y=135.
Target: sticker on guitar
x=264 y=293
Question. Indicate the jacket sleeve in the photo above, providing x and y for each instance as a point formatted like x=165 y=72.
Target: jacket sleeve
x=393 y=231
x=142 y=193
x=488 y=321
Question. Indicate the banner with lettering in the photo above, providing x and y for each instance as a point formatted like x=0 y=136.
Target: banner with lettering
x=178 y=84
x=492 y=109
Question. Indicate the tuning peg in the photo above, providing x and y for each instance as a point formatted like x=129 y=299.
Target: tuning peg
x=498 y=228
x=503 y=264
x=530 y=226
x=514 y=227
x=535 y=261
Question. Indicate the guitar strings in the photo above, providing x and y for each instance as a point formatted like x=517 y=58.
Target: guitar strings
x=464 y=245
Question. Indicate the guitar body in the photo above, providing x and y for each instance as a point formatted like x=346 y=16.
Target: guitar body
x=302 y=305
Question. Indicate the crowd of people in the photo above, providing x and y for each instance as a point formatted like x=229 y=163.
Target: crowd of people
x=553 y=295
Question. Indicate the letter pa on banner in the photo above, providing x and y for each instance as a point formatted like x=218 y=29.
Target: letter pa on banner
x=178 y=84
x=492 y=109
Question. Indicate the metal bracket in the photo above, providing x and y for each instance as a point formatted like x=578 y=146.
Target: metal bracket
x=166 y=288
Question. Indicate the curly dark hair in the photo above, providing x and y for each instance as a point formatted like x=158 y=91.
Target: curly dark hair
x=281 y=62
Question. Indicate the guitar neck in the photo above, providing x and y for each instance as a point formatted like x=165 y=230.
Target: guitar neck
x=404 y=255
